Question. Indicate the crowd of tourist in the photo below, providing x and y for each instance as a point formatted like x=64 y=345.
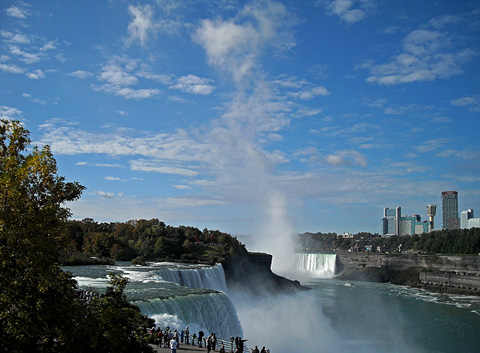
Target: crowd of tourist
x=172 y=339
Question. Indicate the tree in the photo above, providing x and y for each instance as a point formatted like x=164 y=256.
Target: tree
x=40 y=309
x=32 y=217
x=120 y=324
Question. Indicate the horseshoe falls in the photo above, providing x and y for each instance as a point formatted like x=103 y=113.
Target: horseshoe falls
x=316 y=265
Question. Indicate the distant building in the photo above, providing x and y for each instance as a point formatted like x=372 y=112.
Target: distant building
x=431 y=211
x=391 y=221
x=413 y=224
x=345 y=236
x=396 y=224
x=468 y=221
x=450 y=218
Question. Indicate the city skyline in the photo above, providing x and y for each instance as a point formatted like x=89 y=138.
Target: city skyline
x=250 y=116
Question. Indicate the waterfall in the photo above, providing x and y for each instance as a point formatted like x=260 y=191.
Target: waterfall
x=317 y=264
x=212 y=312
x=211 y=277
x=173 y=294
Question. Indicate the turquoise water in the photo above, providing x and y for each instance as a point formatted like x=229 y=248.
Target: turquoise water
x=331 y=317
x=391 y=318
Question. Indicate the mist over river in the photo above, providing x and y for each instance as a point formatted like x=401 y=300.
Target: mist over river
x=331 y=317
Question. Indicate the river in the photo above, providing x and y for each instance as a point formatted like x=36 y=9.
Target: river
x=334 y=316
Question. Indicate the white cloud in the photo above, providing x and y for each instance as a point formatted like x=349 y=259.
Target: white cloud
x=347 y=157
x=471 y=102
x=130 y=93
x=118 y=78
x=432 y=145
x=141 y=25
x=159 y=167
x=426 y=55
x=19 y=38
x=17 y=12
x=36 y=74
x=116 y=75
x=467 y=153
x=10 y=113
x=27 y=58
x=194 y=84
x=310 y=93
x=408 y=168
x=110 y=178
x=350 y=11
x=108 y=195
x=233 y=46
x=182 y=187
x=80 y=74
x=12 y=69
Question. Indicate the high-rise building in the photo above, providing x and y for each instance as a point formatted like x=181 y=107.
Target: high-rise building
x=431 y=211
x=450 y=218
x=413 y=224
x=468 y=221
x=391 y=221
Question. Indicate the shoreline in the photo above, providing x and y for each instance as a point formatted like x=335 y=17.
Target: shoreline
x=413 y=271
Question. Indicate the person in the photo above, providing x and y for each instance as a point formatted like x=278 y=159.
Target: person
x=222 y=350
x=187 y=335
x=214 y=342
x=263 y=350
x=239 y=343
x=209 y=343
x=176 y=336
x=193 y=339
x=200 y=338
x=255 y=350
x=173 y=345
x=159 y=337
x=165 y=338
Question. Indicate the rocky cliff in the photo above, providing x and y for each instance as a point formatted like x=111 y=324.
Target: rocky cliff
x=456 y=274
x=252 y=273
x=360 y=260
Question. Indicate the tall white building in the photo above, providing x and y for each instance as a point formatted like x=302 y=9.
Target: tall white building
x=468 y=220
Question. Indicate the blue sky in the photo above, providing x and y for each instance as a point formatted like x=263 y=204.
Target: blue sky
x=310 y=115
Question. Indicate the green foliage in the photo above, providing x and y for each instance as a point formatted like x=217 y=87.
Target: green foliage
x=463 y=241
x=150 y=240
x=40 y=309
x=121 y=326
x=34 y=292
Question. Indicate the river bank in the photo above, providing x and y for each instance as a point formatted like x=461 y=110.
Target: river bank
x=437 y=273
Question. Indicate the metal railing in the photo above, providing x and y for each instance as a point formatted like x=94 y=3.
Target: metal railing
x=230 y=346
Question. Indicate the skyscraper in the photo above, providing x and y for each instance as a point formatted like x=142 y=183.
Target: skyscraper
x=390 y=221
x=450 y=218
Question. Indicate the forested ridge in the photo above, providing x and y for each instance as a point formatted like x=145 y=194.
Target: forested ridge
x=460 y=242
x=147 y=240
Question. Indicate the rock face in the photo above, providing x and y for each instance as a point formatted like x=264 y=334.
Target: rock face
x=455 y=274
x=252 y=273
x=352 y=261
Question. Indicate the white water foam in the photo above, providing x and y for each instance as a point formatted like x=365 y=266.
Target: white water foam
x=213 y=313
x=204 y=277
x=316 y=265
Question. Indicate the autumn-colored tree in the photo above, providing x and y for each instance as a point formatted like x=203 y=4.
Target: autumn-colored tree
x=40 y=309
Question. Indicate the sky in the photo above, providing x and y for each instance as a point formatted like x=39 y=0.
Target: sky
x=309 y=115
